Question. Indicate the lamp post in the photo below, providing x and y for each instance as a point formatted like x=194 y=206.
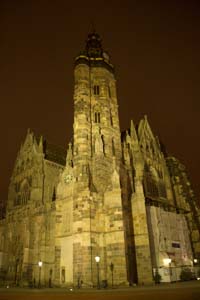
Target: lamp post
x=111 y=269
x=16 y=267
x=195 y=265
x=40 y=267
x=167 y=262
x=97 y=259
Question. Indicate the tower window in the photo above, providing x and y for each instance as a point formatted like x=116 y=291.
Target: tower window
x=111 y=119
x=113 y=147
x=54 y=194
x=63 y=275
x=176 y=245
x=109 y=92
x=96 y=89
x=97 y=118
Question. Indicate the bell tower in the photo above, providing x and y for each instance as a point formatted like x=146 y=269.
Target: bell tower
x=95 y=103
x=97 y=213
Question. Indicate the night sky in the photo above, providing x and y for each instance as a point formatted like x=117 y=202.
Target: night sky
x=154 y=45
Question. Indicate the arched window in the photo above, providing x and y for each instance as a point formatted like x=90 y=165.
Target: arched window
x=150 y=182
x=111 y=118
x=63 y=275
x=103 y=142
x=109 y=92
x=113 y=147
x=96 y=89
x=25 y=192
x=54 y=194
x=153 y=184
x=97 y=118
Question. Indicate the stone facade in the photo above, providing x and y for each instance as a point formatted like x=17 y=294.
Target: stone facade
x=115 y=195
x=28 y=234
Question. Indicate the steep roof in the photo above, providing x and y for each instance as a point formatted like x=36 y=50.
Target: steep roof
x=54 y=153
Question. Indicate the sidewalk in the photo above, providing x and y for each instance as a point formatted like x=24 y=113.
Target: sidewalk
x=163 y=286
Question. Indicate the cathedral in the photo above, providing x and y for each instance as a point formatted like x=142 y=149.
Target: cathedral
x=112 y=209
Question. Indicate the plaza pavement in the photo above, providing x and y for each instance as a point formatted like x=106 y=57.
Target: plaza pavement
x=174 y=291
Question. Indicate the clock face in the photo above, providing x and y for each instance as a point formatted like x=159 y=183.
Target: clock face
x=68 y=178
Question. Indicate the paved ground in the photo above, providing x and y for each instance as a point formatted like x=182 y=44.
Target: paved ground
x=175 y=291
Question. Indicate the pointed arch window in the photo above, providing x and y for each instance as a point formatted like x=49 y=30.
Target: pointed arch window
x=111 y=119
x=153 y=184
x=96 y=89
x=113 y=147
x=97 y=117
x=63 y=275
x=54 y=194
x=109 y=92
x=103 y=143
x=25 y=192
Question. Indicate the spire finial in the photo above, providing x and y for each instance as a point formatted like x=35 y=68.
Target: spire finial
x=92 y=26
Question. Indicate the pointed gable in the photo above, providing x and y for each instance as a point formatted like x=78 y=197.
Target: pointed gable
x=144 y=130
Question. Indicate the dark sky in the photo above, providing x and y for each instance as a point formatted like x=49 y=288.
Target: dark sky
x=155 y=46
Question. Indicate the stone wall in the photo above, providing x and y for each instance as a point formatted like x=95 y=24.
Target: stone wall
x=169 y=237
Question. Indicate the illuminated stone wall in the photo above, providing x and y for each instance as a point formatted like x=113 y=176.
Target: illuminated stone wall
x=164 y=208
x=170 y=237
x=30 y=216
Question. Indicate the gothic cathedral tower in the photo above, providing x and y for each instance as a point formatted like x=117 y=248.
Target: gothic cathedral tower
x=97 y=205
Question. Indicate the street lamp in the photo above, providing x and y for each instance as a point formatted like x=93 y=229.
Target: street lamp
x=167 y=261
x=195 y=260
x=97 y=259
x=111 y=269
x=16 y=267
x=40 y=267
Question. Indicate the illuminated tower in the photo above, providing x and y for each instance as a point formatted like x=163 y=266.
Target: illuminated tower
x=97 y=214
x=96 y=121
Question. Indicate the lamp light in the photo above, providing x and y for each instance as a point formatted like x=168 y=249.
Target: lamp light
x=97 y=259
x=167 y=261
x=40 y=263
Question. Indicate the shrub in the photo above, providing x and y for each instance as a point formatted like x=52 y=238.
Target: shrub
x=198 y=272
x=186 y=274
x=157 y=277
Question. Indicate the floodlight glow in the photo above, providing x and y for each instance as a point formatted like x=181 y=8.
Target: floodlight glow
x=40 y=264
x=97 y=259
x=167 y=261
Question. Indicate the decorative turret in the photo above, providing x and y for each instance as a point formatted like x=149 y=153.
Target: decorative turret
x=69 y=158
x=93 y=54
x=93 y=45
